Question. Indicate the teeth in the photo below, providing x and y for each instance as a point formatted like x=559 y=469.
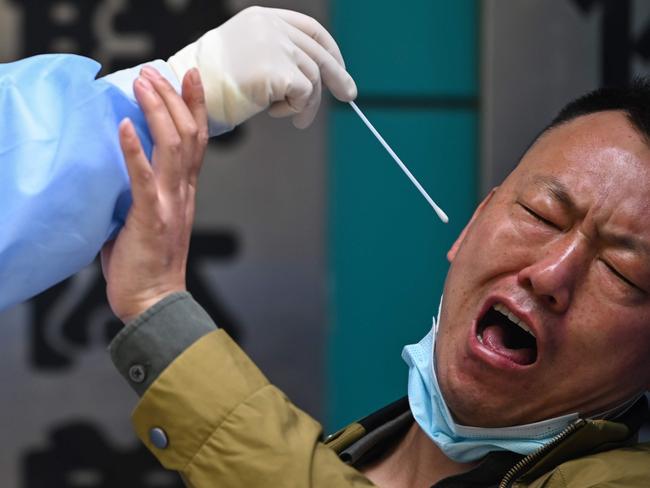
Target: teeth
x=503 y=310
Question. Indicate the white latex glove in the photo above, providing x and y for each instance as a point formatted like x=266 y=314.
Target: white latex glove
x=266 y=57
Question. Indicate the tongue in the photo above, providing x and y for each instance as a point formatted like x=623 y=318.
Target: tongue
x=494 y=338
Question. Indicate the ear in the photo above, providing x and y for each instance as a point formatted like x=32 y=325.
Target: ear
x=451 y=254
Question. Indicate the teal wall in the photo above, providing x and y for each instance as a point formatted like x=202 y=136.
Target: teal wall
x=416 y=66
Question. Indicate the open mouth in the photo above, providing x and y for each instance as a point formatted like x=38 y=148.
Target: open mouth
x=503 y=332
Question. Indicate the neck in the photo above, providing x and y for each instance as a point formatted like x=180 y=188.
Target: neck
x=414 y=462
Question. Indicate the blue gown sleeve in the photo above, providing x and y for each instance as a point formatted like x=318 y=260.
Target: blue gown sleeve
x=64 y=189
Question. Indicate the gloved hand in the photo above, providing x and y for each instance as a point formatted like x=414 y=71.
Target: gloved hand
x=266 y=57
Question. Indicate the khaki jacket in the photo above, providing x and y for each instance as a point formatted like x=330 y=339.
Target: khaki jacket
x=227 y=426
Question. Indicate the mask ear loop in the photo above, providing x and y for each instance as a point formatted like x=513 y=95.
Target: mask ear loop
x=618 y=410
x=435 y=322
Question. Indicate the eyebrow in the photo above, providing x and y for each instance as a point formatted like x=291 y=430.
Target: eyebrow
x=560 y=193
x=626 y=241
x=557 y=190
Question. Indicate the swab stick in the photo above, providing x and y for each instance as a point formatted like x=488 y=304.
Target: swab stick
x=436 y=208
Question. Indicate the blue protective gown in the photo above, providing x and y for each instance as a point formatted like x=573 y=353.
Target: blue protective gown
x=64 y=189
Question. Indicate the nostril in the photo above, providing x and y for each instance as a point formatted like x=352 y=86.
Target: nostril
x=551 y=299
x=526 y=282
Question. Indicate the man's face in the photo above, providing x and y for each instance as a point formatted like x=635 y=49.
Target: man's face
x=563 y=246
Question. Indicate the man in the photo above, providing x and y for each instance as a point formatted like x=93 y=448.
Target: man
x=65 y=190
x=533 y=375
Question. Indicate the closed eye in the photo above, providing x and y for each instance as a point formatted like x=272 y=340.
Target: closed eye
x=622 y=277
x=537 y=216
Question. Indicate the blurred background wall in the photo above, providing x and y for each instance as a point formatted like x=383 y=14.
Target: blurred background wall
x=310 y=248
x=386 y=246
x=537 y=55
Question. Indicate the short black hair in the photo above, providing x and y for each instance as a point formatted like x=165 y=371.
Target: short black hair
x=634 y=100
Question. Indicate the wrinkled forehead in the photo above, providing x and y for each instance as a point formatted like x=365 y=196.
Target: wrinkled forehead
x=600 y=159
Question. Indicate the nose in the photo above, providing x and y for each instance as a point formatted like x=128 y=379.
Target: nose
x=552 y=277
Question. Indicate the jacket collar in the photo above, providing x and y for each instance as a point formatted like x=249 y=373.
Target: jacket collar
x=593 y=436
x=367 y=439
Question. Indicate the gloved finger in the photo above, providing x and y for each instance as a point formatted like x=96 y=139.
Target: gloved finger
x=297 y=96
x=311 y=70
x=302 y=119
x=296 y=89
x=281 y=109
x=143 y=187
x=313 y=29
x=182 y=117
x=167 y=141
x=194 y=96
x=307 y=116
x=339 y=82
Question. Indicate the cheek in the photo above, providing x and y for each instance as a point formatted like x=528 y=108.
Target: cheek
x=491 y=248
x=495 y=245
x=626 y=345
x=614 y=346
x=608 y=315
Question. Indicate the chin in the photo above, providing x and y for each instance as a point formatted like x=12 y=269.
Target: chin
x=474 y=404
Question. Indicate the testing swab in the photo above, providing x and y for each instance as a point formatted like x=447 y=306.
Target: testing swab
x=436 y=208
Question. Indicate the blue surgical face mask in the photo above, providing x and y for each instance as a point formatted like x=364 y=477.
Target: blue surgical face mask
x=459 y=442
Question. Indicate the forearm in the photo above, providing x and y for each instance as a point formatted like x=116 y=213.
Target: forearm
x=211 y=414
x=65 y=190
x=124 y=79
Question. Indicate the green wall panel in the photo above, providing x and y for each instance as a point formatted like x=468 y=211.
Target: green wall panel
x=415 y=48
x=387 y=247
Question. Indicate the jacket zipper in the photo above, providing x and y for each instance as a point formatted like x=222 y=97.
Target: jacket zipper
x=526 y=462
